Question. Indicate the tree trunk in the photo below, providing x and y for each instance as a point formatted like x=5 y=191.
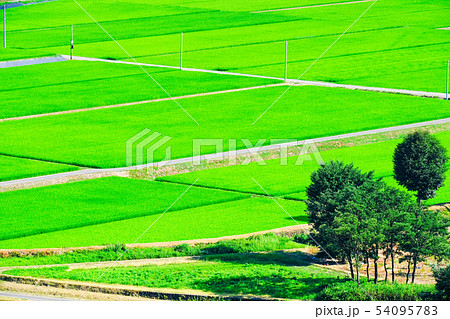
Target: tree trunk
x=385 y=269
x=351 y=265
x=375 y=266
x=357 y=271
x=409 y=270
x=392 y=263
x=414 y=269
x=367 y=268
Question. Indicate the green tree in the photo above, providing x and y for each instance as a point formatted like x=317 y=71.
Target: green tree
x=419 y=164
x=442 y=276
x=331 y=186
x=428 y=236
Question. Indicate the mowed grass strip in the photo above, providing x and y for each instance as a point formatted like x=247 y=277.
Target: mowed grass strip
x=58 y=207
x=274 y=275
x=17 y=168
x=279 y=179
x=98 y=138
x=71 y=85
x=223 y=219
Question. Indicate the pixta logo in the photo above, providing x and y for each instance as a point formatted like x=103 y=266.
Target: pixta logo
x=141 y=148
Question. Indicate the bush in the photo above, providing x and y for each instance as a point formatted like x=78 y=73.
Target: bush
x=367 y=291
x=187 y=250
x=442 y=276
x=219 y=249
x=302 y=238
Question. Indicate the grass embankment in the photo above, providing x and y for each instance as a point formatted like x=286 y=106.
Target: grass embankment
x=98 y=138
x=259 y=243
x=270 y=274
x=276 y=274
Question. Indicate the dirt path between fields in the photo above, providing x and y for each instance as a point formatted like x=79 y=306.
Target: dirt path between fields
x=118 y=263
x=314 y=6
x=284 y=230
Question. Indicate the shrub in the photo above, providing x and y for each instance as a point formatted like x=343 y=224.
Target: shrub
x=442 y=276
x=219 y=249
x=302 y=238
x=367 y=291
x=187 y=250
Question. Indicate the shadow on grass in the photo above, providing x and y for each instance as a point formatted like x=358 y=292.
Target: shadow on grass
x=281 y=285
x=274 y=279
x=303 y=219
x=280 y=258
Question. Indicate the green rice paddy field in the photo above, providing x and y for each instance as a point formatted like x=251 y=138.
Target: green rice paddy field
x=76 y=85
x=290 y=181
x=98 y=138
x=396 y=43
x=17 y=168
x=219 y=203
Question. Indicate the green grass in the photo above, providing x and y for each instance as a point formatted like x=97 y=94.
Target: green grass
x=368 y=291
x=17 y=168
x=73 y=85
x=93 y=202
x=395 y=44
x=224 y=219
x=291 y=180
x=266 y=242
x=274 y=275
x=98 y=138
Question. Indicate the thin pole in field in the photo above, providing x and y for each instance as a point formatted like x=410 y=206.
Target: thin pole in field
x=71 y=42
x=446 y=94
x=181 y=51
x=285 y=61
x=4 y=25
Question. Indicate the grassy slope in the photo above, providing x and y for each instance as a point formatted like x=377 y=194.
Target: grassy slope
x=258 y=243
x=225 y=219
x=98 y=138
x=76 y=84
x=94 y=202
x=270 y=275
x=278 y=179
x=16 y=168
x=395 y=44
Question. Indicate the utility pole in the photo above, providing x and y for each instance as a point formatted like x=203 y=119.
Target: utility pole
x=285 y=61
x=4 y=25
x=71 y=42
x=181 y=52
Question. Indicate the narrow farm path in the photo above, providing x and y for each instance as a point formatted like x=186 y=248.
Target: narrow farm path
x=221 y=155
x=23 y=296
x=16 y=63
x=292 y=81
x=313 y=6
x=141 y=102
x=118 y=263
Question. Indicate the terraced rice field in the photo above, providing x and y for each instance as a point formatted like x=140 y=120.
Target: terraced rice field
x=98 y=138
x=394 y=44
